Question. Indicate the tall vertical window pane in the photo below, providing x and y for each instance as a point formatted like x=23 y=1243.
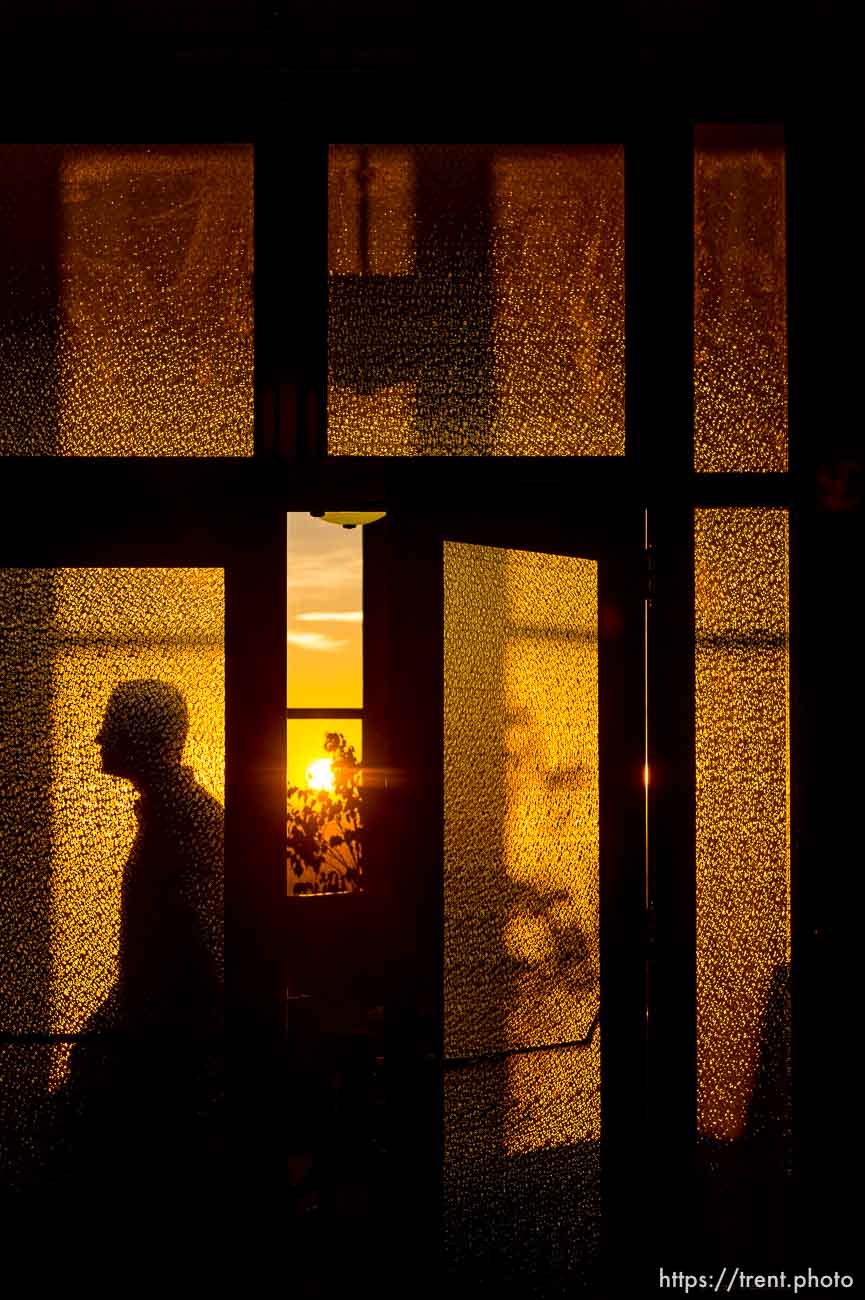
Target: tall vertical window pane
x=325 y=706
x=743 y=853
x=75 y=642
x=740 y=303
x=127 y=315
x=521 y=893
x=476 y=300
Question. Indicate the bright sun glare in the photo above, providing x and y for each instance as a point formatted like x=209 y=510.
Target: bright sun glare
x=319 y=775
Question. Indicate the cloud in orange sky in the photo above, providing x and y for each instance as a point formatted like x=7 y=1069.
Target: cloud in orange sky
x=343 y=616
x=314 y=641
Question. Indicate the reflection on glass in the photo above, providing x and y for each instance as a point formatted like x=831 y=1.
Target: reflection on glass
x=740 y=303
x=325 y=615
x=521 y=870
x=476 y=300
x=743 y=855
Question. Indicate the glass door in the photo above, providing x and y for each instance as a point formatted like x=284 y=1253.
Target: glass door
x=533 y=634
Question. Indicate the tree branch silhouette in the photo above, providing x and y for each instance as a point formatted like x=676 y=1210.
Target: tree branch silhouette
x=324 y=830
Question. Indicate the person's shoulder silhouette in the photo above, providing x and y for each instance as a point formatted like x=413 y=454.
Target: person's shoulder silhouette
x=142 y=1102
x=171 y=932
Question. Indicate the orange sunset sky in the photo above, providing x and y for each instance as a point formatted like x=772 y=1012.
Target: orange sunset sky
x=324 y=638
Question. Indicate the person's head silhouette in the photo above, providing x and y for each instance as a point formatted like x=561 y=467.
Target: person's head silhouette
x=143 y=731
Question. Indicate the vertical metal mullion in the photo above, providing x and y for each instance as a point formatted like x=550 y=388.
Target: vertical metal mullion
x=672 y=856
x=659 y=300
x=622 y=843
x=824 y=659
x=659 y=241
x=255 y=620
x=411 y=895
x=290 y=295
x=376 y=680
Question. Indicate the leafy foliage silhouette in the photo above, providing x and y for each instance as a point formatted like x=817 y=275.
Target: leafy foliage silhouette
x=325 y=835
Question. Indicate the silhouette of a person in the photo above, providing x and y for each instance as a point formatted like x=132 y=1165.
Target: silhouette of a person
x=143 y=1097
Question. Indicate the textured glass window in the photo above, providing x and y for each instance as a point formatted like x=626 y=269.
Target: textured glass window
x=70 y=639
x=521 y=902
x=127 y=315
x=743 y=855
x=740 y=303
x=476 y=300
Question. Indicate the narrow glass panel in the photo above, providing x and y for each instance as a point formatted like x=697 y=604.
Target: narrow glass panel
x=740 y=300
x=128 y=329
x=325 y=615
x=316 y=766
x=743 y=854
x=521 y=899
x=476 y=300
x=98 y=933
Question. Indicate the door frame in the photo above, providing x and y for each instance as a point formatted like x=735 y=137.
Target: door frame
x=406 y=550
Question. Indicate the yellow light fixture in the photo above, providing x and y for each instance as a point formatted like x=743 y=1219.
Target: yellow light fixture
x=349 y=518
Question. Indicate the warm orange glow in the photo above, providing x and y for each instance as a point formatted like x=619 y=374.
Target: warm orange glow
x=109 y=626
x=324 y=635
x=521 y=848
x=740 y=300
x=742 y=842
x=541 y=275
x=319 y=775
x=646 y=775
x=154 y=343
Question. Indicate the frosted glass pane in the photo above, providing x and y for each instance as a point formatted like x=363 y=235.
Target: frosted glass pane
x=110 y=869
x=71 y=638
x=325 y=615
x=532 y=1211
x=476 y=300
x=128 y=329
x=740 y=305
x=521 y=956
x=371 y=190
x=743 y=855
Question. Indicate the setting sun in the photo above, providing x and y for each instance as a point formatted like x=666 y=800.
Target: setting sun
x=319 y=775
